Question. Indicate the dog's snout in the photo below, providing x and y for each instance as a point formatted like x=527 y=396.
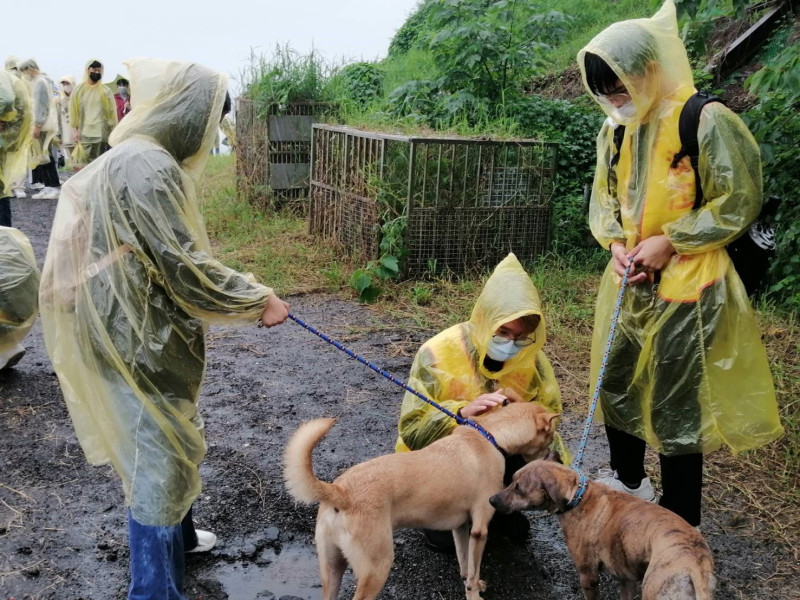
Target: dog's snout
x=497 y=502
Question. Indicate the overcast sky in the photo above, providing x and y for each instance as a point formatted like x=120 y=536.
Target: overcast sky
x=62 y=35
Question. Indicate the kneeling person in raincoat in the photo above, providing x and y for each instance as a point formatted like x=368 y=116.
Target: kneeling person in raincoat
x=19 y=294
x=687 y=372
x=471 y=367
x=128 y=288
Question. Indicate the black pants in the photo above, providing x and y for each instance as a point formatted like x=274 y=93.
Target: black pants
x=5 y=212
x=47 y=174
x=189 y=534
x=681 y=476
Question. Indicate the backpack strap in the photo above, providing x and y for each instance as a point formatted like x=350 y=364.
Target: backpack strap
x=688 y=124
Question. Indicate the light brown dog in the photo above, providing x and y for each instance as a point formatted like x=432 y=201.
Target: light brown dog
x=443 y=486
x=633 y=539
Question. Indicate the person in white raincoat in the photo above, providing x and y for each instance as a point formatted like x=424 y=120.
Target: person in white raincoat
x=128 y=288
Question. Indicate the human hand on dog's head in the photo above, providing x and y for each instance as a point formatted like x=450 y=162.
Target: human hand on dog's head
x=539 y=485
x=511 y=394
x=483 y=404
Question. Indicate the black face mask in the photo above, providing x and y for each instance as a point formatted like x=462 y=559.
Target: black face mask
x=95 y=77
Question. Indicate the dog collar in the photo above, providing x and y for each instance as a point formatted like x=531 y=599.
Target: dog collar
x=583 y=482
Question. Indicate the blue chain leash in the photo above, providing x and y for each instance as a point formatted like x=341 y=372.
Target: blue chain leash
x=398 y=382
x=578 y=460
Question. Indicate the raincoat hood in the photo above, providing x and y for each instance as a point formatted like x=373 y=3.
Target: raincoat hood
x=176 y=104
x=11 y=64
x=86 y=71
x=71 y=80
x=636 y=50
x=507 y=295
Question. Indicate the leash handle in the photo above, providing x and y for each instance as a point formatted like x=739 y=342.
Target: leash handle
x=397 y=382
x=578 y=460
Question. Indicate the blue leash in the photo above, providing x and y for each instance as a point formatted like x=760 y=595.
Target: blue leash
x=583 y=481
x=396 y=381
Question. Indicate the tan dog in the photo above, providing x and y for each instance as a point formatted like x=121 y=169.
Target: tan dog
x=444 y=486
x=631 y=538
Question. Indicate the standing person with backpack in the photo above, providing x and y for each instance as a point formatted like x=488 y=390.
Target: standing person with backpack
x=687 y=372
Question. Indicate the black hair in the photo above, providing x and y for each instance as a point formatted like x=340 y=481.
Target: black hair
x=123 y=81
x=226 y=107
x=96 y=65
x=600 y=77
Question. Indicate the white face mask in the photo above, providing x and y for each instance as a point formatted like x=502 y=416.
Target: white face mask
x=502 y=351
x=625 y=113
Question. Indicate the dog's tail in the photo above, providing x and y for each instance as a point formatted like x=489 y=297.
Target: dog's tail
x=298 y=471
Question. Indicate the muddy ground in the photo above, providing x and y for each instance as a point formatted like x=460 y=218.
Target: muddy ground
x=62 y=523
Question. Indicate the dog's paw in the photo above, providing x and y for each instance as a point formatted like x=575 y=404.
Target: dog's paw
x=482 y=585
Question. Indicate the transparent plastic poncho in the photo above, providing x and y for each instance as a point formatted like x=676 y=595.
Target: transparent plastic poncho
x=19 y=288
x=688 y=371
x=16 y=132
x=449 y=368
x=129 y=284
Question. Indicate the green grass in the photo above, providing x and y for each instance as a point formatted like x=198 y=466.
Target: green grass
x=276 y=248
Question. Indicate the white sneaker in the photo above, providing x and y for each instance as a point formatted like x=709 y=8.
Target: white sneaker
x=51 y=193
x=19 y=193
x=9 y=358
x=40 y=195
x=36 y=186
x=205 y=541
x=643 y=492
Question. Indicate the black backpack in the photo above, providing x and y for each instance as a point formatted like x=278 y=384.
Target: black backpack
x=752 y=251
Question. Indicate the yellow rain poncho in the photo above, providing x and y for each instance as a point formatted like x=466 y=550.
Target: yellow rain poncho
x=92 y=109
x=16 y=130
x=687 y=372
x=449 y=368
x=19 y=287
x=129 y=285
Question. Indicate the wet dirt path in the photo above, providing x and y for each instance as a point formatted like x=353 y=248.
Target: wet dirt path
x=62 y=527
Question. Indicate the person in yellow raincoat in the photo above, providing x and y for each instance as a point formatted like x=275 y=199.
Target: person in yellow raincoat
x=16 y=130
x=19 y=294
x=128 y=288
x=92 y=114
x=687 y=372
x=474 y=366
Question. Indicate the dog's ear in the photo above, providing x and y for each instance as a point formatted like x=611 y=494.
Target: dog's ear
x=554 y=456
x=547 y=421
x=556 y=487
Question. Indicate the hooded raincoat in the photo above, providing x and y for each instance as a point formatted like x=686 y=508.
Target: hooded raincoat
x=45 y=115
x=129 y=285
x=65 y=127
x=687 y=371
x=19 y=287
x=449 y=367
x=16 y=130
x=92 y=109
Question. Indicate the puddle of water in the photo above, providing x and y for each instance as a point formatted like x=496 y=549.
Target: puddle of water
x=293 y=572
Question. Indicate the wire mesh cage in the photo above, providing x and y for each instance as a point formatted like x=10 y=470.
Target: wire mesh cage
x=464 y=203
x=274 y=149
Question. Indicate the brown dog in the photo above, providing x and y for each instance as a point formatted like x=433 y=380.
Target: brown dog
x=631 y=538
x=444 y=486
